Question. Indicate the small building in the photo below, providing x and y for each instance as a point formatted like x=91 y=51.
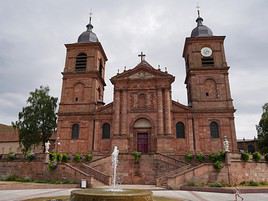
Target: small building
x=247 y=145
x=9 y=140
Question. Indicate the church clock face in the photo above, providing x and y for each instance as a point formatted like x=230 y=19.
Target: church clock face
x=206 y=52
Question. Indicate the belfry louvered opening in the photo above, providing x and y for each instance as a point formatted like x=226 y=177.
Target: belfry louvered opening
x=207 y=61
x=81 y=62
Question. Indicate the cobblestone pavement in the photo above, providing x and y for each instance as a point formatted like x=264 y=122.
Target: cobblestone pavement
x=18 y=195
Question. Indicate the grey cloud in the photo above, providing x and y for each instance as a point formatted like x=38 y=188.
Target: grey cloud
x=33 y=35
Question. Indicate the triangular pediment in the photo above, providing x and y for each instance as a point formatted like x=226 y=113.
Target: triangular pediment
x=178 y=107
x=142 y=71
x=141 y=75
x=106 y=109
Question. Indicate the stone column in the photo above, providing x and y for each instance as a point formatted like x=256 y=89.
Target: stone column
x=124 y=121
x=160 y=112
x=190 y=134
x=167 y=112
x=116 y=124
x=233 y=135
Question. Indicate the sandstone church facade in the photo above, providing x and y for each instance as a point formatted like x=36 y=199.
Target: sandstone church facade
x=142 y=116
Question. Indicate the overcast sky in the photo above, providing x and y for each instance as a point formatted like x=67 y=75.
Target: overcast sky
x=33 y=34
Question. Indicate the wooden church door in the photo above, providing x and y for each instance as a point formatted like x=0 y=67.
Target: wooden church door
x=142 y=142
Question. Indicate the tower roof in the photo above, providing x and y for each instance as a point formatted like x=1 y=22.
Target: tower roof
x=201 y=30
x=88 y=36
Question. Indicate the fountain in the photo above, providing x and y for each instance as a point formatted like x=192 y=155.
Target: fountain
x=114 y=166
x=114 y=193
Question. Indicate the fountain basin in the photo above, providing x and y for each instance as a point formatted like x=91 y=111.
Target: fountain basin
x=100 y=194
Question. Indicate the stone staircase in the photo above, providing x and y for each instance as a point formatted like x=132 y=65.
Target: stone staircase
x=170 y=160
x=91 y=170
x=174 y=167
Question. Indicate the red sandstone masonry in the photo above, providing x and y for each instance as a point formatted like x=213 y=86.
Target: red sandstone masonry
x=39 y=170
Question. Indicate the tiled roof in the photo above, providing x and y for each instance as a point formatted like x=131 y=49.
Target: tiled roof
x=8 y=134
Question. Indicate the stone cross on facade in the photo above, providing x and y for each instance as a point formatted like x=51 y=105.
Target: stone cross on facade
x=142 y=56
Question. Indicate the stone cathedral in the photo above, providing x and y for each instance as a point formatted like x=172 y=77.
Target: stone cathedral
x=142 y=116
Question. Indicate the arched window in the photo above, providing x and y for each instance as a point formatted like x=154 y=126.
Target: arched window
x=180 y=131
x=106 y=131
x=214 y=130
x=75 y=131
x=81 y=62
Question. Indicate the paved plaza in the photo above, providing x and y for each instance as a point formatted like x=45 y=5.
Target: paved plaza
x=17 y=195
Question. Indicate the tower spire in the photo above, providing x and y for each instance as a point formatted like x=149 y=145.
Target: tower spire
x=90 y=15
x=199 y=19
x=198 y=9
x=90 y=26
x=200 y=29
x=88 y=35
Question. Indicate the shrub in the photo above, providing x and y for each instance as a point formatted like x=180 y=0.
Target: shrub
x=52 y=165
x=200 y=157
x=263 y=183
x=11 y=156
x=216 y=184
x=245 y=156
x=77 y=157
x=88 y=157
x=218 y=165
x=188 y=157
x=253 y=183
x=52 y=156
x=59 y=157
x=65 y=158
x=195 y=183
x=256 y=156
x=11 y=178
x=30 y=156
x=136 y=155
x=219 y=156
x=266 y=157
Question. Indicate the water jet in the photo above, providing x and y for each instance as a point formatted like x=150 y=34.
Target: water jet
x=114 y=193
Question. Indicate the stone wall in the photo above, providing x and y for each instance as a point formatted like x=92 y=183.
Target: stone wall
x=144 y=172
x=130 y=172
x=39 y=170
x=246 y=171
x=234 y=173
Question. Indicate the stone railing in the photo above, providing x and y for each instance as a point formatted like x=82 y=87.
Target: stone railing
x=163 y=180
x=99 y=176
x=170 y=160
x=76 y=169
x=100 y=161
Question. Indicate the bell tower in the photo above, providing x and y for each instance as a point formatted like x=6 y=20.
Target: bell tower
x=82 y=91
x=208 y=89
x=207 y=79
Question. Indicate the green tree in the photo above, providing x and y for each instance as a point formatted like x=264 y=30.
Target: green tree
x=262 y=130
x=37 y=121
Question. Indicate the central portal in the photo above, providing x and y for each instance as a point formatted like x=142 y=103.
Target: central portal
x=142 y=133
x=142 y=142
